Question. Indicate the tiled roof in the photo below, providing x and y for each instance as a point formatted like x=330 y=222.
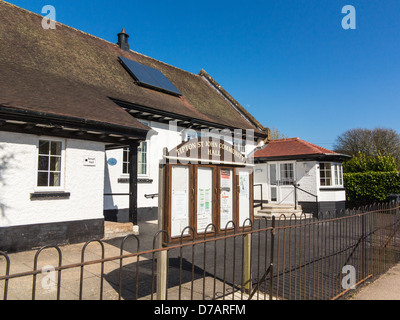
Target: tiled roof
x=291 y=147
x=70 y=63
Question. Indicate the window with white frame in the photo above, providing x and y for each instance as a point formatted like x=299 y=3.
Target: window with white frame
x=125 y=161
x=50 y=163
x=142 y=159
x=325 y=173
x=331 y=174
x=141 y=156
x=287 y=174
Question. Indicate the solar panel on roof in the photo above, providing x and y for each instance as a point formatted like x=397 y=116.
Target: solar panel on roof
x=149 y=77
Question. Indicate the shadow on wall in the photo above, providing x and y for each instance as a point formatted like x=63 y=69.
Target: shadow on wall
x=110 y=208
x=5 y=160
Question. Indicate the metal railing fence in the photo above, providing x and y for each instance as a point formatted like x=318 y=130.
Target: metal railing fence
x=284 y=258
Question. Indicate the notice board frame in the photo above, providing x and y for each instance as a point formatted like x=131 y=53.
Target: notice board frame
x=191 y=232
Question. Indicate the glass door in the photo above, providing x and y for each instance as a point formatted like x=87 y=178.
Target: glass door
x=286 y=181
x=273 y=182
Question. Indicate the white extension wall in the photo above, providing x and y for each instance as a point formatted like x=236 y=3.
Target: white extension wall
x=307 y=177
x=18 y=176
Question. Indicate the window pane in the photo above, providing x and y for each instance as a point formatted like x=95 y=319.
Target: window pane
x=273 y=194
x=125 y=154
x=44 y=147
x=56 y=148
x=336 y=174
x=287 y=173
x=43 y=163
x=54 y=179
x=341 y=175
x=142 y=158
x=143 y=146
x=142 y=169
x=43 y=179
x=272 y=172
x=125 y=168
x=55 y=164
x=328 y=174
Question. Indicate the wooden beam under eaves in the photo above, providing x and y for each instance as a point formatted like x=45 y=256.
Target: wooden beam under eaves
x=29 y=126
x=56 y=129
x=183 y=123
x=133 y=111
x=80 y=133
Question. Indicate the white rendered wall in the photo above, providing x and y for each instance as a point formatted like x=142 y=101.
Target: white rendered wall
x=160 y=138
x=18 y=176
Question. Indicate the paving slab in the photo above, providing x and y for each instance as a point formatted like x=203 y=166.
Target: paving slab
x=386 y=287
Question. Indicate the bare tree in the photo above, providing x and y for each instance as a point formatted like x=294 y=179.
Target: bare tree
x=386 y=141
x=369 y=142
x=276 y=134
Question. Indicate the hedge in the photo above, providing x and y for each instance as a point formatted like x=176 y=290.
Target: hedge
x=363 y=163
x=364 y=188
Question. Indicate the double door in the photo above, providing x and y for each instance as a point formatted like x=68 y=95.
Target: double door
x=280 y=182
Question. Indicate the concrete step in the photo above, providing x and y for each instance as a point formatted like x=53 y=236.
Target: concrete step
x=116 y=229
x=297 y=215
x=272 y=206
x=279 y=210
x=269 y=210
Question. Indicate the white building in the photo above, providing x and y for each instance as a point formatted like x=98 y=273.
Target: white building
x=70 y=103
x=291 y=172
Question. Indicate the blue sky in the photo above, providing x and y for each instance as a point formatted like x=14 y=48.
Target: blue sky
x=289 y=62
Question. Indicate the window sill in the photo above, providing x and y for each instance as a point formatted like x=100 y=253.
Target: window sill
x=50 y=195
x=332 y=189
x=139 y=180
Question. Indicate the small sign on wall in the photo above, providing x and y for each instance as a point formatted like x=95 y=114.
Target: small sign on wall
x=89 y=161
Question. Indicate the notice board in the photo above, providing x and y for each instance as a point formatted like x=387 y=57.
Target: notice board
x=205 y=198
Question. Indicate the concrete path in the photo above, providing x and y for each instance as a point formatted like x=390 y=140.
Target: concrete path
x=386 y=287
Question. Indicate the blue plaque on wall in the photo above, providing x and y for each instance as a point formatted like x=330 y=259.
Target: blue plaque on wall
x=112 y=161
